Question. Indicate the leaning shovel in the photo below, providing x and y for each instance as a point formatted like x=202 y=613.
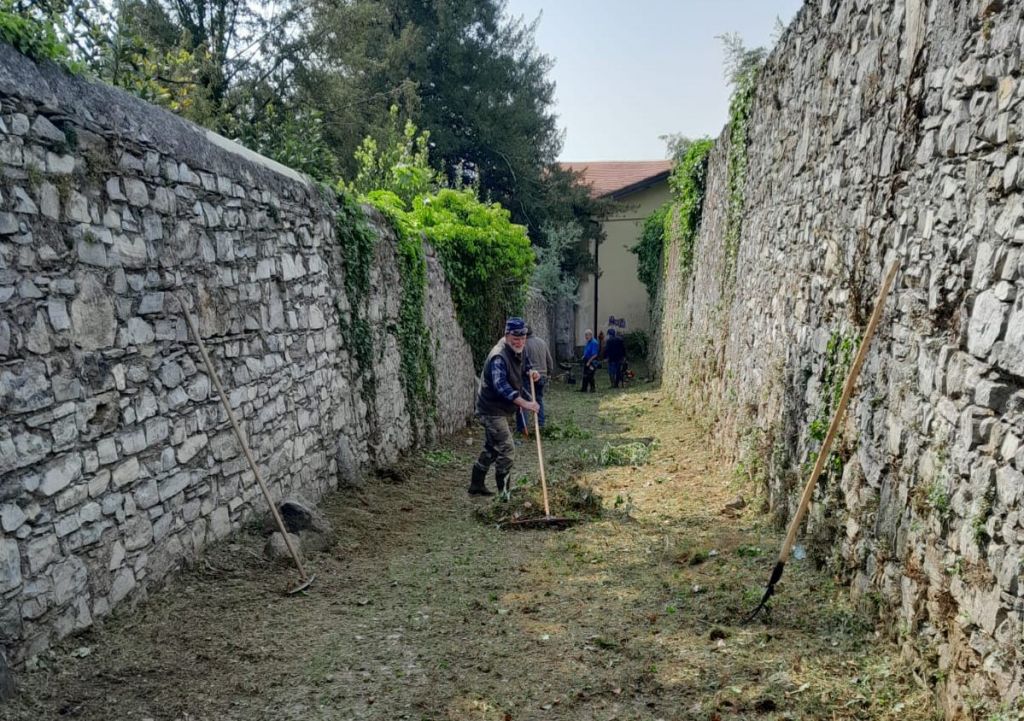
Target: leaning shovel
x=826 y=446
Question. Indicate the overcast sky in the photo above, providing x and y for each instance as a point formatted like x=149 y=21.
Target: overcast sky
x=627 y=72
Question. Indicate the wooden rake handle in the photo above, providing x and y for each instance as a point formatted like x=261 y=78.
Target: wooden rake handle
x=540 y=451
x=837 y=417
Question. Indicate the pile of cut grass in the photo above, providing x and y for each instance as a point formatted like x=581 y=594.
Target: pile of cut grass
x=566 y=499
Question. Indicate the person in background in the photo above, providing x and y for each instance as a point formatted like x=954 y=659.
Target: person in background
x=542 y=362
x=502 y=390
x=615 y=354
x=590 y=351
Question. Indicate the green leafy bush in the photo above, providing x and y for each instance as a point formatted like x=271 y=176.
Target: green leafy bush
x=637 y=345
x=486 y=257
x=398 y=162
x=34 y=36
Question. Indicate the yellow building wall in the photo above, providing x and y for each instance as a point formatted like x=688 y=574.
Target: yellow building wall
x=620 y=292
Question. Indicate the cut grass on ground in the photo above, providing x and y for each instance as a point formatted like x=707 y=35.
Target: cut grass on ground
x=422 y=612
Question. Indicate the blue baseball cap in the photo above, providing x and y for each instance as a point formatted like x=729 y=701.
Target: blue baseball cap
x=515 y=326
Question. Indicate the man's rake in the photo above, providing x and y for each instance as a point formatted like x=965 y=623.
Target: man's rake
x=548 y=521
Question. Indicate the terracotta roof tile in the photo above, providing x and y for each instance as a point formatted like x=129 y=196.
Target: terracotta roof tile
x=610 y=177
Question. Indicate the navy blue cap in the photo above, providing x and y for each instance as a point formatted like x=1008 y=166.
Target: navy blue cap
x=515 y=326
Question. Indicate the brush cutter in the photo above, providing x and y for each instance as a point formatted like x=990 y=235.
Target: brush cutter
x=826 y=446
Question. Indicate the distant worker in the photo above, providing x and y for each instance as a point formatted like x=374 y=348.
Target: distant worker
x=615 y=354
x=590 y=351
x=503 y=390
x=542 y=362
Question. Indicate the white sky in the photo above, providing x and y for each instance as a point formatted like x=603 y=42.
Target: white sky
x=627 y=72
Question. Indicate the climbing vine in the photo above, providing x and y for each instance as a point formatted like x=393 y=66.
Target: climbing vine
x=676 y=222
x=739 y=115
x=357 y=243
x=418 y=373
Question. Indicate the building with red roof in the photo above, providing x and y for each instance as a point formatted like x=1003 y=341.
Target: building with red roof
x=616 y=297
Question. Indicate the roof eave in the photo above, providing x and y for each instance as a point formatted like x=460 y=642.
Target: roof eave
x=637 y=186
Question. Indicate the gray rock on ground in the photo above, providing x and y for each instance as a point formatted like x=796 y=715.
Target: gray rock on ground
x=302 y=519
x=277 y=550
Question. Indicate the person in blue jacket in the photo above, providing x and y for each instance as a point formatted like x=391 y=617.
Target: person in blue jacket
x=590 y=351
x=503 y=389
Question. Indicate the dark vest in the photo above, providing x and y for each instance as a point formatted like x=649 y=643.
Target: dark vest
x=488 y=401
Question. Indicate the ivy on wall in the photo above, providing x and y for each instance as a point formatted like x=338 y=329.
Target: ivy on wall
x=689 y=183
x=650 y=249
x=486 y=257
x=739 y=115
x=418 y=373
x=676 y=222
x=357 y=242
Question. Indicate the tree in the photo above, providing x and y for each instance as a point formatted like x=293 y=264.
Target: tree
x=676 y=145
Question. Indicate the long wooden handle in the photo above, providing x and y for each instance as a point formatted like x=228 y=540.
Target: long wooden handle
x=241 y=439
x=540 y=452
x=837 y=417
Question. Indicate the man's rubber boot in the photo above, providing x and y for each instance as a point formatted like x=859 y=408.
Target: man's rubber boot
x=476 y=483
x=502 y=481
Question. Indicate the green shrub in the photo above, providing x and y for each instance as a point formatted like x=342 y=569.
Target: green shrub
x=486 y=257
x=637 y=345
x=34 y=37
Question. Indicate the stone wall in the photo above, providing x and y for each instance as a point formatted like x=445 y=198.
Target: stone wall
x=538 y=315
x=882 y=129
x=117 y=462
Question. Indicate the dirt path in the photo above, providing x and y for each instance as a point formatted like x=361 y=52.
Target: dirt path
x=423 y=612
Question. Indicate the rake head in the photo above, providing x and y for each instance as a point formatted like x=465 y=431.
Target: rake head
x=768 y=592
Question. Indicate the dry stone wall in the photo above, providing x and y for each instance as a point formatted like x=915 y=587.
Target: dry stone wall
x=117 y=462
x=883 y=129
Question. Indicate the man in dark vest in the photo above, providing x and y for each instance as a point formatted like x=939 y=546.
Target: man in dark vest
x=503 y=389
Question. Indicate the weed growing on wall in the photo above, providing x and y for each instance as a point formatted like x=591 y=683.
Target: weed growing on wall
x=838 y=358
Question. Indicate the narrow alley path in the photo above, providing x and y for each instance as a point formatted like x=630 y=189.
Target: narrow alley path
x=421 y=611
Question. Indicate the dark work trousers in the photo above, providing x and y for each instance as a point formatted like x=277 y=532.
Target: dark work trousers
x=588 y=378
x=499 y=450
